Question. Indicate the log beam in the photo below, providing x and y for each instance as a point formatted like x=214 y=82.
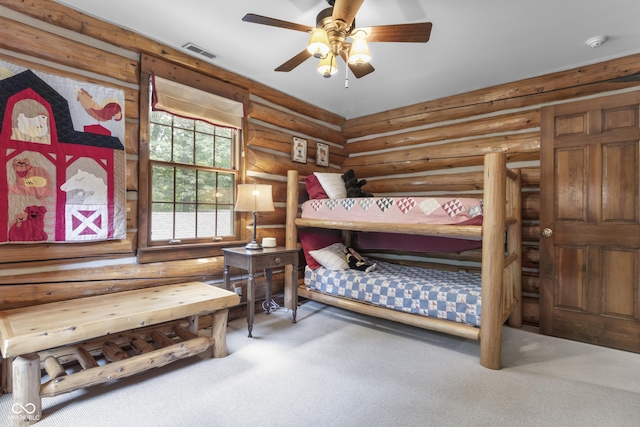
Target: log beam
x=123 y=368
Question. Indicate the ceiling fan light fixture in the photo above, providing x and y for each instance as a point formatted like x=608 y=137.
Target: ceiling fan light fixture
x=327 y=66
x=318 y=43
x=359 y=51
x=334 y=34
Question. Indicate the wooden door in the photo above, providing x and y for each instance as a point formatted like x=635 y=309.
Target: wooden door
x=590 y=211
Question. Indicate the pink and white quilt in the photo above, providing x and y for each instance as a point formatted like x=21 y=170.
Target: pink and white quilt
x=62 y=159
x=406 y=210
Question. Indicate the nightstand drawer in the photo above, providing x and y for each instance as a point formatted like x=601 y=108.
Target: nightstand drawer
x=273 y=260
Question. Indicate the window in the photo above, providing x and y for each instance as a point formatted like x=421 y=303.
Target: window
x=192 y=179
x=189 y=162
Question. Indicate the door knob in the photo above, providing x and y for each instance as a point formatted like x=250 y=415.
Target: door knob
x=547 y=232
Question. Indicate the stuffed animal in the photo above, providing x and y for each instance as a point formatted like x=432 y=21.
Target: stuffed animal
x=357 y=262
x=353 y=185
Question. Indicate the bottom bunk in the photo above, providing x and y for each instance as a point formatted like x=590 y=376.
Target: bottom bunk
x=450 y=300
x=496 y=289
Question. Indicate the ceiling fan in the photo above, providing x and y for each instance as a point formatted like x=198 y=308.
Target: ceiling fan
x=336 y=34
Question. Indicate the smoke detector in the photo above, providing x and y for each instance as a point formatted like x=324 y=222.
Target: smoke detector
x=596 y=41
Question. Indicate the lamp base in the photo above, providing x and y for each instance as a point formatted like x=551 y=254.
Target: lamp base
x=253 y=246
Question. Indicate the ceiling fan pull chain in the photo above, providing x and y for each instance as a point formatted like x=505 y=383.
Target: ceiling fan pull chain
x=346 y=77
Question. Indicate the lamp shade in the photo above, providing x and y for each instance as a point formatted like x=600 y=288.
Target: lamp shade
x=359 y=52
x=254 y=198
x=318 y=43
x=327 y=66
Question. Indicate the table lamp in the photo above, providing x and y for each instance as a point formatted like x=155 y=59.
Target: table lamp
x=254 y=198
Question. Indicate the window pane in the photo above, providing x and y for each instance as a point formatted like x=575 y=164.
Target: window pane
x=206 y=221
x=225 y=132
x=161 y=221
x=226 y=186
x=206 y=187
x=224 y=152
x=204 y=149
x=160 y=145
x=183 y=146
x=186 y=221
x=162 y=178
x=225 y=221
x=161 y=117
x=205 y=127
x=185 y=186
x=181 y=122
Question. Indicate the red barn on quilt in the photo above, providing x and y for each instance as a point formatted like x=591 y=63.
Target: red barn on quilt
x=57 y=184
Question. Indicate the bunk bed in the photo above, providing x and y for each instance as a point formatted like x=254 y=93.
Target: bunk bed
x=500 y=233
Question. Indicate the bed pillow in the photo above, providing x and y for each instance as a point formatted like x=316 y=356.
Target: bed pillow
x=332 y=184
x=332 y=257
x=312 y=241
x=314 y=188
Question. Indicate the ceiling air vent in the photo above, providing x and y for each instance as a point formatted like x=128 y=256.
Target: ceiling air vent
x=193 y=48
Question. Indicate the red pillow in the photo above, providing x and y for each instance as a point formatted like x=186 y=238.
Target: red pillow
x=314 y=188
x=312 y=241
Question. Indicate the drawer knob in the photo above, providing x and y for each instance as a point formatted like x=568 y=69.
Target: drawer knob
x=277 y=260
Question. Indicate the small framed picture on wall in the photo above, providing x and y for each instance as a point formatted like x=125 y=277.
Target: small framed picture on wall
x=322 y=154
x=299 y=150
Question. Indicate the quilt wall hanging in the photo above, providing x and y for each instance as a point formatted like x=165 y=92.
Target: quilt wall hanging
x=62 y=159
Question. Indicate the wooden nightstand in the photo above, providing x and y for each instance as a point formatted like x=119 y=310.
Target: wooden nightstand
x=267 y=259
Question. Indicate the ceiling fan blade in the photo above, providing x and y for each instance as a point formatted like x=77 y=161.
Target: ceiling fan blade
x=295 y=61
x=259 y=19
x=361 y=70
x=345 y=10
x=417 y=33
x=358 y=70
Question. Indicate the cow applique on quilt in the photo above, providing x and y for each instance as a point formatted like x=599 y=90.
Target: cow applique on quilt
x=62 y=160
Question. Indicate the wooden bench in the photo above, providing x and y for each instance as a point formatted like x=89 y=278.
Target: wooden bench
x=50 y=335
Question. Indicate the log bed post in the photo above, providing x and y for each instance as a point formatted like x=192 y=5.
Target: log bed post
x=514 y=246
x=291 y=233
x=493 y=228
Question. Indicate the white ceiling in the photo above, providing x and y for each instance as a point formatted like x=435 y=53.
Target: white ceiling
x=474 y=44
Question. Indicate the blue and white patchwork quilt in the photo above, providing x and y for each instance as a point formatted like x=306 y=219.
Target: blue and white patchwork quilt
x=451 y=295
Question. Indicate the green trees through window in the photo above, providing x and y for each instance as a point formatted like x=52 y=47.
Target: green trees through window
x=192 y=179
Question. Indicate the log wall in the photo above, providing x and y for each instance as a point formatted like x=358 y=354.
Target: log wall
x=436 y=147
x=432 y=146
x=46 y=36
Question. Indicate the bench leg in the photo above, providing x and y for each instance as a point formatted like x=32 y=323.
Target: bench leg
x=27 y=406
x=5 y=384
x=219 y=333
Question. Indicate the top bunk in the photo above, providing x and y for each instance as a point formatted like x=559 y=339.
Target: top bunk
x=501 y=187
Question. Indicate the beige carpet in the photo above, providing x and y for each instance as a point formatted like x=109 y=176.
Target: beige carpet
x=336 y=368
